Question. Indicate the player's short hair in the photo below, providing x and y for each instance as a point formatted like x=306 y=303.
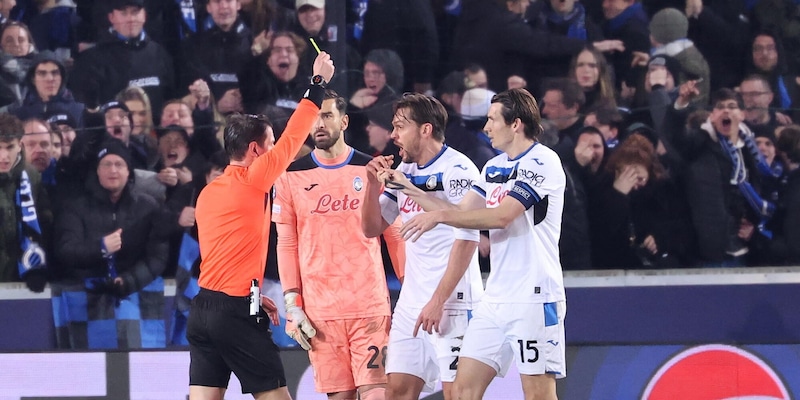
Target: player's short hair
x=520 y=103
x=10 y=128
x=240 y=130
x=341 y=103
x=424 y=109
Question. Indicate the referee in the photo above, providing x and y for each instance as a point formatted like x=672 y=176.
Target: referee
x=232 y=229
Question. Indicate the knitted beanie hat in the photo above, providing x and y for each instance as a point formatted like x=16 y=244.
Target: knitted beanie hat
x=669 y=25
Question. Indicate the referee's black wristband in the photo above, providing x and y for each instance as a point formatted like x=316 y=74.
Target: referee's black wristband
x=316 y=94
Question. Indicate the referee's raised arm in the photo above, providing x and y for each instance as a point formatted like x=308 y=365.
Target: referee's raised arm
x=266 y=170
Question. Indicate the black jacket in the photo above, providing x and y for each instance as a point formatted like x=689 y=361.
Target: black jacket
x=216 y=57
x=262 y=88
x=82 y=225
x=103 y=71
x=502 y=43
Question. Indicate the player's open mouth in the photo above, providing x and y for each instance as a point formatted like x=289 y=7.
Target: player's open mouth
x=283 y=65
x=726 y=123
x=117 y=131
x=172 y=156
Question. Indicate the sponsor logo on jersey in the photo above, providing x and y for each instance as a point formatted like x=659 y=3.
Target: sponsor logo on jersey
x=410 y=206
x=328 y=204
x=531 y=177
x=497 y=195
x=458 y=187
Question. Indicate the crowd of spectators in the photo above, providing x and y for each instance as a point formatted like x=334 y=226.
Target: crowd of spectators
x=673 y=119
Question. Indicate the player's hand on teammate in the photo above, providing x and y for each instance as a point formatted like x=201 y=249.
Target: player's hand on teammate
x=323 y=65
x=271 y=308
x=298 y=327
x=419 y=224
x=377 y=165
x=430 y=318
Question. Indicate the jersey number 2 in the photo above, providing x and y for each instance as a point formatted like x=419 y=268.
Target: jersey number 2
x=528 y=345
x=375 y=353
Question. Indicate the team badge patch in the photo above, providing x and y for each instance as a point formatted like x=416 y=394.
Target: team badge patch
x=358 y=184
x=431 y=182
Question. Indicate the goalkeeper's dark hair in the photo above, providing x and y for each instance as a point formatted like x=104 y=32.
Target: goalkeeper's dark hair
x=341 y=103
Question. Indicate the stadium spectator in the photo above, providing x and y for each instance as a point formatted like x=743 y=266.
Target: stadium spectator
x=15 y=61
x=24 y=233
x=591 y=70
x=721 y=31
x=562 y=99
x=668 y=30
x=768 y=59
x=637 y=215
x=626 y=20
x=757 y=96
x=276 y=78
x=37 y=144
x=113 y=252
x=47 y=92
x=64 y=124
x=407 y=28
x=723 y=163
x=216 y=55
x=383 y=80
x=127 y=57
x=135 y=98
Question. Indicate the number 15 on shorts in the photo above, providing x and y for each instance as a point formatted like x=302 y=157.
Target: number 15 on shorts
x=527 y=349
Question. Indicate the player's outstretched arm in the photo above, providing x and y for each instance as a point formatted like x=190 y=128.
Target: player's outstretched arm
x=485 y=218
x=428 y=202
x=372 y=222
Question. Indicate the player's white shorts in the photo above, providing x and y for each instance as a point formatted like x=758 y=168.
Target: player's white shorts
x=530 y=334
x=428 y=356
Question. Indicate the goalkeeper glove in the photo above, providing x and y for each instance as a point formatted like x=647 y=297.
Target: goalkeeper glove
x=298 y=327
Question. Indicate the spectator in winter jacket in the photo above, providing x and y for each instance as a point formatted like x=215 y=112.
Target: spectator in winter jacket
x=126 y=57
x=47 y=91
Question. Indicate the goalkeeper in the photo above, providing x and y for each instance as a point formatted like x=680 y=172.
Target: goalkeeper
x=326 y=262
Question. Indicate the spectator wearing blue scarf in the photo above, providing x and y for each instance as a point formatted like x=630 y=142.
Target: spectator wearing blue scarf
x=25 y=216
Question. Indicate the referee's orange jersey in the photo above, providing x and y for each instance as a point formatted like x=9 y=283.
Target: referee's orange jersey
x=232 y=214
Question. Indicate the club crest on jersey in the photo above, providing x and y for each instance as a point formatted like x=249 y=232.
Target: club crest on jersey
x=358 y=184
x=431 y=182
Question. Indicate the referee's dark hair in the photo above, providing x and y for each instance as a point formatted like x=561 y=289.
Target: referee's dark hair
x=519 y=103
x=241 y=130
x=424 y=109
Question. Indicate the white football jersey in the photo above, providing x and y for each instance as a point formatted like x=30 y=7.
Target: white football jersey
x=449 y=176
x=524 y=256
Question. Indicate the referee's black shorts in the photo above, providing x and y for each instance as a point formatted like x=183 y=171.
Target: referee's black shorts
x=224 y=338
